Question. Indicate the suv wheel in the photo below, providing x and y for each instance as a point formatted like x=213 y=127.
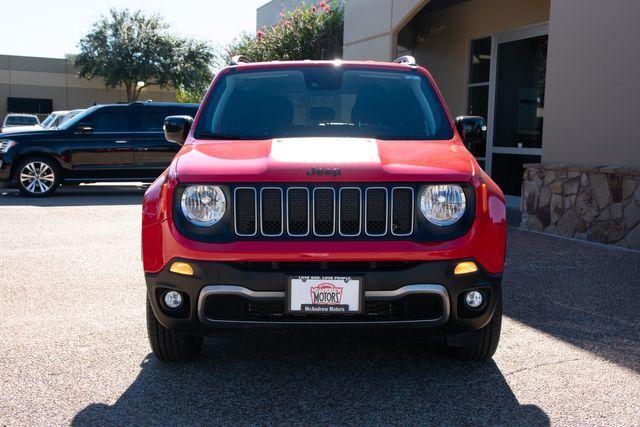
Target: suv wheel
x=168 y=345
x=37 y=176
x=487 y=343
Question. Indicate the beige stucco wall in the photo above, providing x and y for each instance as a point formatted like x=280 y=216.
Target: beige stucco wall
x=47 y=78
x=445 y=51
x=370 y=26
x=593 y=83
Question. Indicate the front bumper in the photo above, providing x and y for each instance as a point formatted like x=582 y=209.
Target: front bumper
x=222 y=295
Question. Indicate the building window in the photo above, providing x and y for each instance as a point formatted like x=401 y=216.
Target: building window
x=29 y=105
x=478 y=88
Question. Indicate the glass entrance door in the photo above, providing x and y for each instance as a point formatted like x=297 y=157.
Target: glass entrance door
x=518 y=105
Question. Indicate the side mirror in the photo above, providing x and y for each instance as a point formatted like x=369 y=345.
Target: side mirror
x=472 y=129
x=85 y=128
x=176 y=128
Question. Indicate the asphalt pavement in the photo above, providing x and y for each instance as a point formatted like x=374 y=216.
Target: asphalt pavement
x=73 y=346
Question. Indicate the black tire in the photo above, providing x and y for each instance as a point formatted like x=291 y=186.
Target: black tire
x=45 y=172
x=487 y=343
x=168 y=345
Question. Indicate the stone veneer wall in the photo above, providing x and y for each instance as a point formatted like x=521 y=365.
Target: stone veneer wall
x=598 y=204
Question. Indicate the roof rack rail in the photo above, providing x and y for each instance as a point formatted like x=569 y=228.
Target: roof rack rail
x=239 y=59
x=407 y=59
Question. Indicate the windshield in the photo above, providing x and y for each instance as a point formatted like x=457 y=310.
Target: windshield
x=67 y=124
x=68 y=116
x=46 y=122
x=323 y=101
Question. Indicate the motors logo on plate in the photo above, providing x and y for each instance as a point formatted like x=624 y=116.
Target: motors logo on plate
x=326 y=293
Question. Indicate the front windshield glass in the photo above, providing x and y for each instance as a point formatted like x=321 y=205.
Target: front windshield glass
x=68 y=116
x=47 y=122
x=77 y=119
x=319 y=101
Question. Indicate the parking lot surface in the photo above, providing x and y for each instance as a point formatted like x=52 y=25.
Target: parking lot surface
x=73 y=346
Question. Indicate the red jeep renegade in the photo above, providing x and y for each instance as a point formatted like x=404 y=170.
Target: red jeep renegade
x=325 y=194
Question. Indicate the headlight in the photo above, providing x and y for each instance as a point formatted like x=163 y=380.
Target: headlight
x=203 y=205
x=5 y=144
x=443 y=204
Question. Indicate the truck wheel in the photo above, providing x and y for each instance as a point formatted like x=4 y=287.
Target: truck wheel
x=37 y=176
x=487 y=343
x=168 y=345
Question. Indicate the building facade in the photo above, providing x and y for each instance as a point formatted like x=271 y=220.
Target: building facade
x=557 y=82
x=41 y=85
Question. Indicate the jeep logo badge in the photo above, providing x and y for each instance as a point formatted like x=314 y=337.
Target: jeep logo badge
x=324 y=171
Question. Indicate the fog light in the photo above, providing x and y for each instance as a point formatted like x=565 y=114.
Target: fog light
x=173 y=299
x=465 y=267
x=473 y=299
x=181 y=268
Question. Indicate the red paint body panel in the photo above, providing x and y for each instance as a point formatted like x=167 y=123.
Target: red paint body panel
x=484 y=242
x=363 y=161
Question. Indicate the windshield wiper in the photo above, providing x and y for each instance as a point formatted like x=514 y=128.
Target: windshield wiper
x=206 y=135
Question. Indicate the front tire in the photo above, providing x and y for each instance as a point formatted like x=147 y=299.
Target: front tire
x=168 y=345
x=484 y=347
x=37 y=176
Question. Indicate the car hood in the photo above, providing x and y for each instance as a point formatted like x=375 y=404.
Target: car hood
x=29 y=134
x=16 y=129
x=324 y=159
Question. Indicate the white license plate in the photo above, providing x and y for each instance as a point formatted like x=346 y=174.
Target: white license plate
x=325 y=295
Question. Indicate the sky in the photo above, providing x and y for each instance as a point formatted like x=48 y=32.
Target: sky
x=53 y=28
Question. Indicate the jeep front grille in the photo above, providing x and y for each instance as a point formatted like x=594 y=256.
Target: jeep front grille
x=346 y=211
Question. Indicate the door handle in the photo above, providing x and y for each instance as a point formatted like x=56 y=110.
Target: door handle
x=121 y=141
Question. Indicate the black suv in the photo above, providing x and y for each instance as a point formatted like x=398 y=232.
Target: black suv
x=120 y=142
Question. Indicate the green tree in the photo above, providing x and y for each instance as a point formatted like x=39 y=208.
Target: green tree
x=308 y=32
x=190 y=96
x=137 y=51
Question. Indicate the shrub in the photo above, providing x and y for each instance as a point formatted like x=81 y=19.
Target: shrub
x=308 y=32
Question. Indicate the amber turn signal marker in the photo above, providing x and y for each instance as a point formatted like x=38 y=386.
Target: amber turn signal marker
x=484 y=201
x=465 y=267
x=181 y=268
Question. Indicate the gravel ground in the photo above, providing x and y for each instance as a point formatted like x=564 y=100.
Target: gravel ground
x=73 y=346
